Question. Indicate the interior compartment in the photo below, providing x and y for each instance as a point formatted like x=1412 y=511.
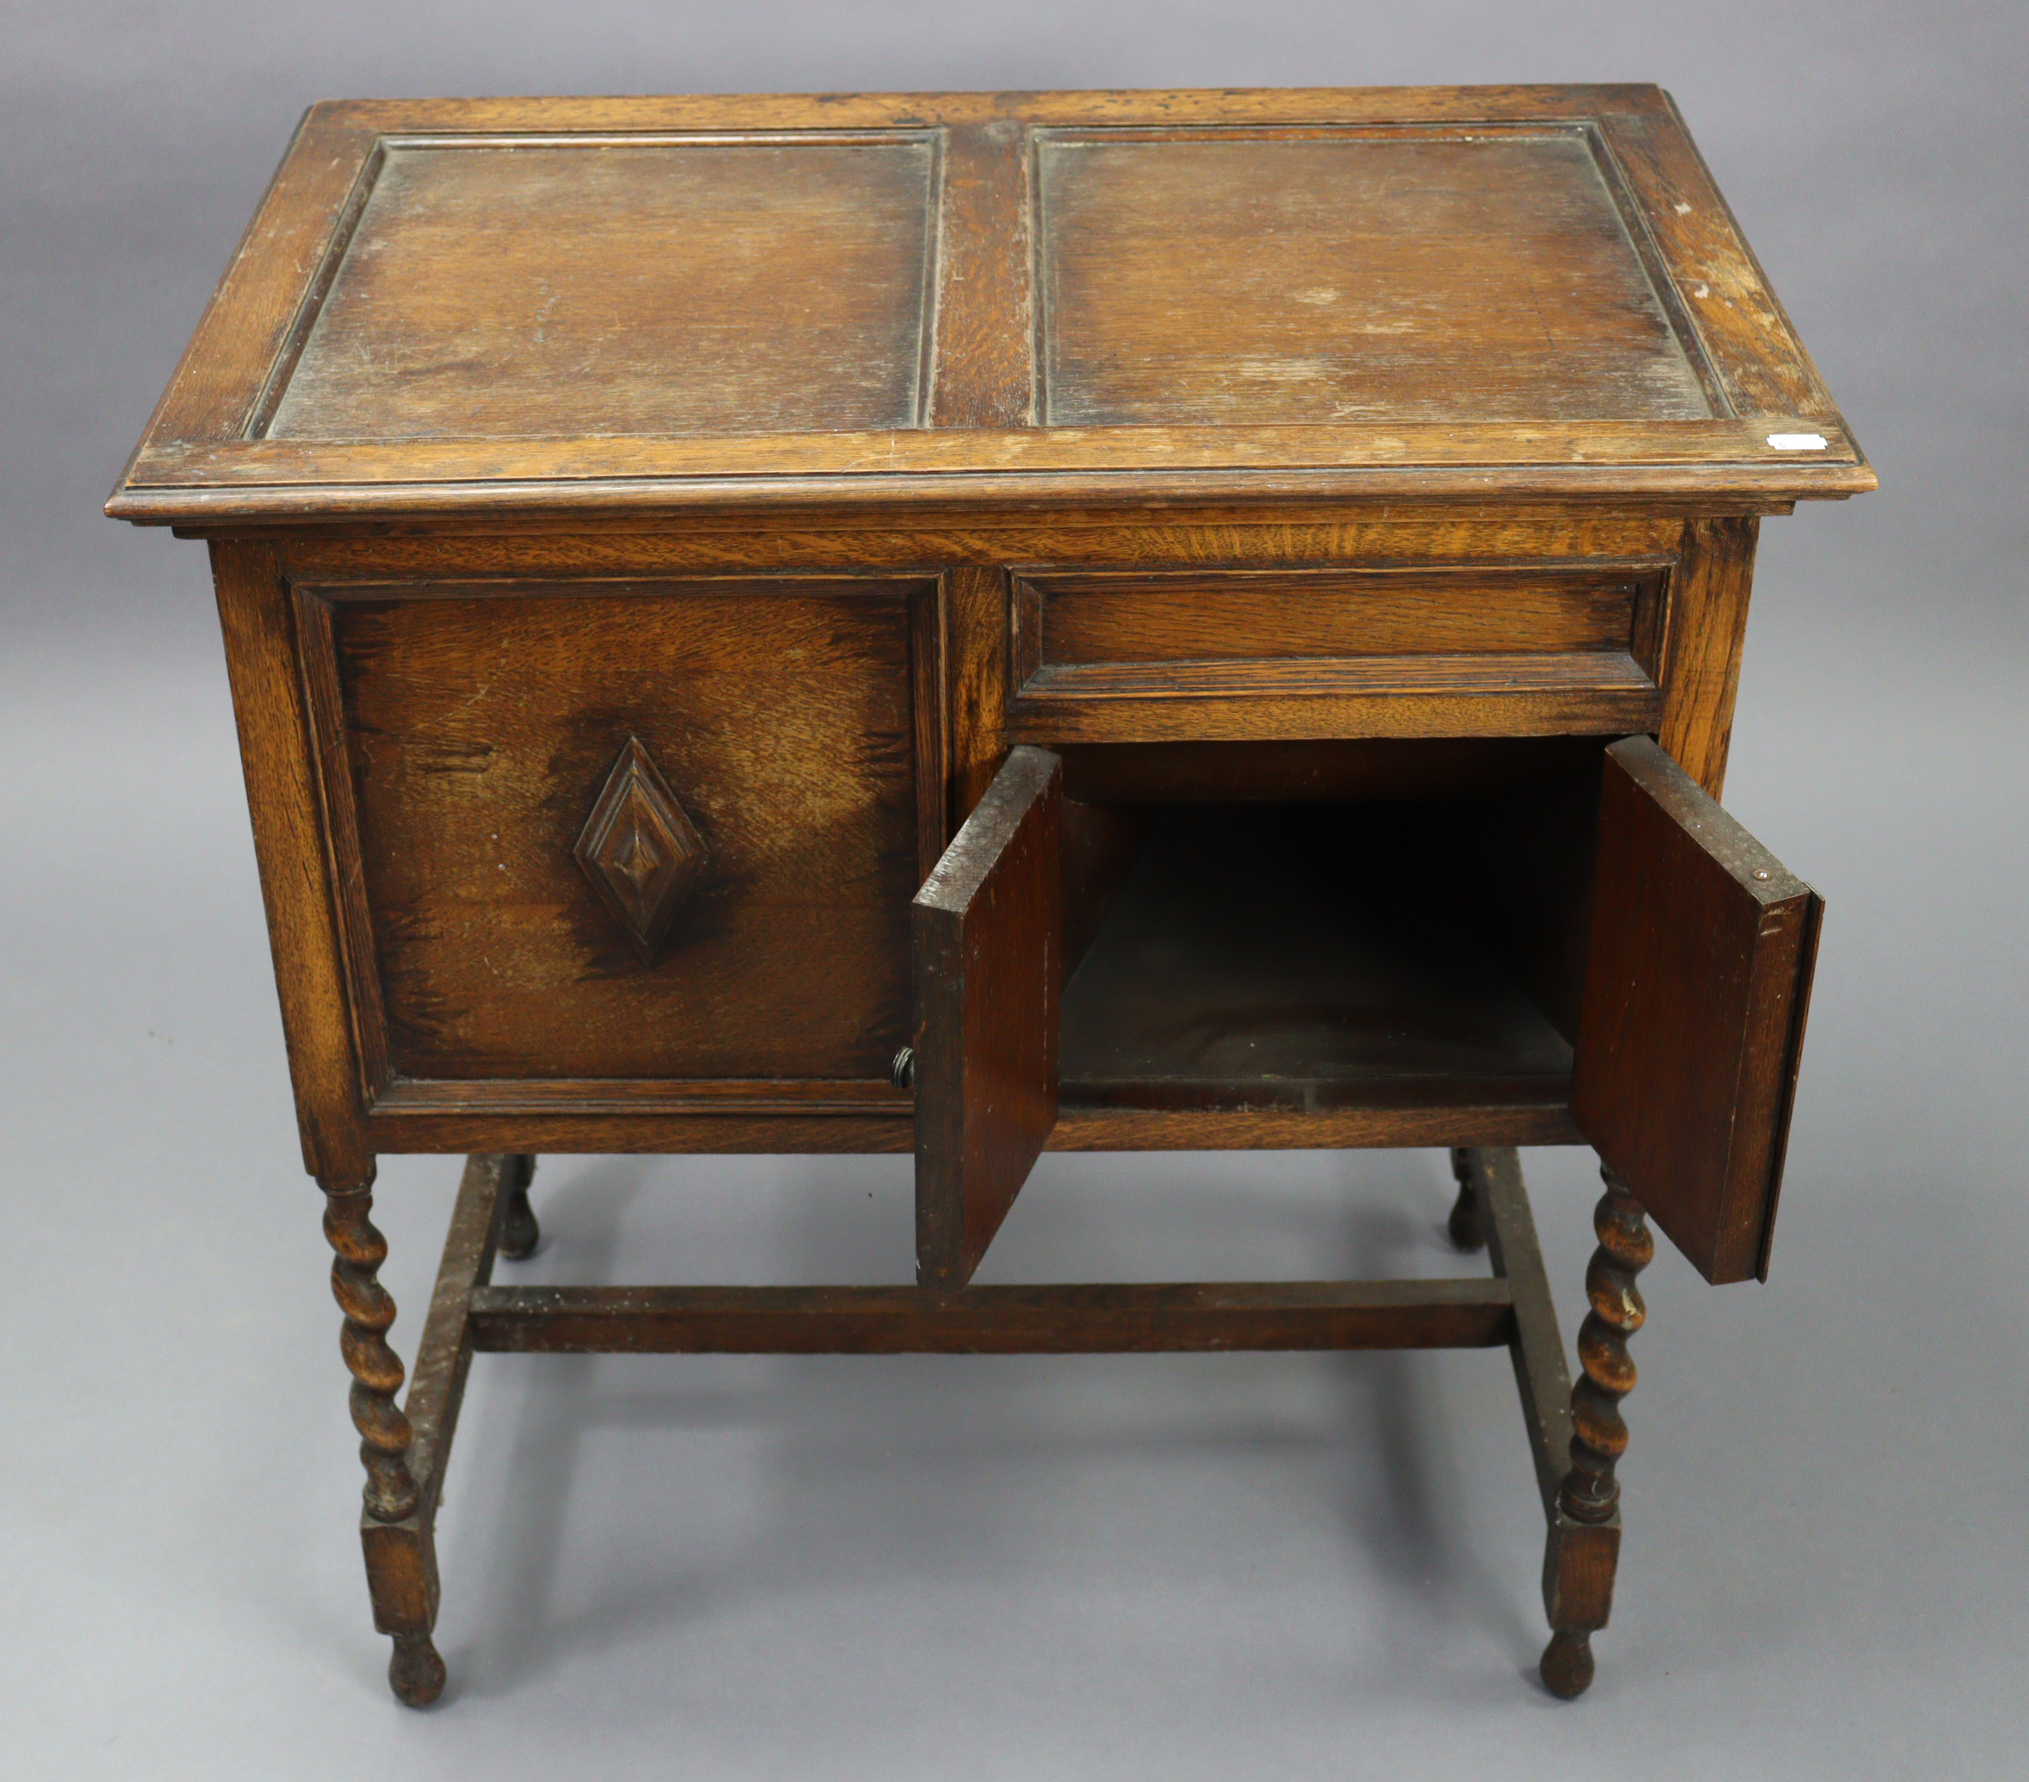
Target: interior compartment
x=1326 y=926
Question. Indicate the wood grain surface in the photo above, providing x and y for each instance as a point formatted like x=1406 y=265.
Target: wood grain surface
x=1186 y=616
x=1097 y=1319
x=1194 y=278
x=515 y=289
x=1702 y=952
x=1325 y=478
x=987 y=929
x=449 y=308
x=480 y=724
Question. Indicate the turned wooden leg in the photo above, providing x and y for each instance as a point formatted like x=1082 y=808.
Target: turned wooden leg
x=519 y=1232
x=1590 y=1494
x=1468 y=1224
x=376 y=1370
x=392 y=1495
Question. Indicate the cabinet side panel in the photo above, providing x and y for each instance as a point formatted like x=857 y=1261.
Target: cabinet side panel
x=282 y=797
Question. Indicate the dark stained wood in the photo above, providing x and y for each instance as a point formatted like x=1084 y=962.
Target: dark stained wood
x=401 y=1555
x=787 y=276
x=683 y=1129
x=1709 y=591
x=866 y=111
x=1110 y=1319
x=245 y=335
x=304 y=936
x=1467 y=1225
x=1702 y=950
x=1537 y=1116
x=520 y=1232
x=1712 y=463
x=1578 y=1575
x=1396 y=272
x=645 y=1095
x=533 y=545
x=1579 y=1564
x=487 y=1194
x=1254 y=614
x=1361 y=461
x=985 y=370
x=1101 y=843
x=978 y=601
x=1493 y=1176
x=1754 y=352
x=1335 y=770
x=988 y=935
x=639 y=849
x=1579 y=1559
x=369 y=1309
x=1267 y=956
x=1591 y=1491
x=317 y=656
x=1594 y=693
x=1424 y=1117
x=1138 y=657
x=1533 y=292
x=480 y=723
x=929 y=677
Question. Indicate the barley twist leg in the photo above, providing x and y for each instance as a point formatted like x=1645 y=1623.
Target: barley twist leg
x=1591 y=1493
x=392 y=1496
x=376 y=1370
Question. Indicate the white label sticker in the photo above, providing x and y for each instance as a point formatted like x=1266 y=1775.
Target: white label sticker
x=1797 y=442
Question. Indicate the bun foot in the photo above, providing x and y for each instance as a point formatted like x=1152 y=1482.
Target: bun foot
x=1466 y=1231
x=519 y=1233
x=1468 y=1223
x=415 y=1672
x=1566 y=1669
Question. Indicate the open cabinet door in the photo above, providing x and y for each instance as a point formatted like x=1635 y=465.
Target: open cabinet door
x=1696 y=987
x=986 y=931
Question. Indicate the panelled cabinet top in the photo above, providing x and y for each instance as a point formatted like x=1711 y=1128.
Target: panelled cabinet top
x=451 y=307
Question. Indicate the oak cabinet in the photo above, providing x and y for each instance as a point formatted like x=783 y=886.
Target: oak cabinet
x=976 y=623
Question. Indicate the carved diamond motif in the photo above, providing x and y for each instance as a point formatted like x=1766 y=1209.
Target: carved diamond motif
x=640 y=850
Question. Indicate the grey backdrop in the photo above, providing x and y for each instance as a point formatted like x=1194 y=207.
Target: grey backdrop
x=1233 y=1566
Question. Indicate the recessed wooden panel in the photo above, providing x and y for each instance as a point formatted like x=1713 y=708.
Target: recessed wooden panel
x=1198 y=277
x=1184 y=616
x=1242 y=655
x=460 y=310
x=500 y=289
x=479 y=728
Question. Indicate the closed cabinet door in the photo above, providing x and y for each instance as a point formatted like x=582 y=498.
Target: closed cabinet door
x=627 y=843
